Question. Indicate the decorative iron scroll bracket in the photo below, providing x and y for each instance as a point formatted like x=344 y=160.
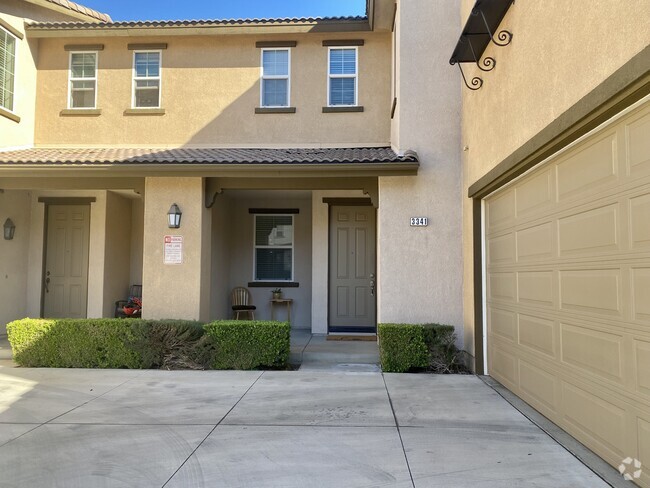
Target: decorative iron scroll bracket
x=481 y=29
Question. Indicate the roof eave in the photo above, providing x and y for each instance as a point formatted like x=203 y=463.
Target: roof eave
x=44 y=31
x=69 y=12
x=282 y=170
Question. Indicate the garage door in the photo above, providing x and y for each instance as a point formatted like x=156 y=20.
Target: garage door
x=568 y=289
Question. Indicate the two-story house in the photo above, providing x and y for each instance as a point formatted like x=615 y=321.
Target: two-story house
x=347 y=162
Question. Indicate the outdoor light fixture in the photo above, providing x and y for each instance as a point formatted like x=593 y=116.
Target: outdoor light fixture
x=9 y=228
x=173 y=218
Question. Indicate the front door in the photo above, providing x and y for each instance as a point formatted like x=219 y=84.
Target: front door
x=352 y=295
x=65 y=284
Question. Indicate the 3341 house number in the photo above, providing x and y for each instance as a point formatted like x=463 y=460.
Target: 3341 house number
x=419 y=221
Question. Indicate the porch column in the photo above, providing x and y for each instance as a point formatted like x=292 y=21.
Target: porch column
x=180 y=291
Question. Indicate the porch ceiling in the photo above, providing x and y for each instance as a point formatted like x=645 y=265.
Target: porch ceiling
x=368 y=161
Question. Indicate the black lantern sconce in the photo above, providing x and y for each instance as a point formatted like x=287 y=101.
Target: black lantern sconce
x=173 y=217
x=9 y=229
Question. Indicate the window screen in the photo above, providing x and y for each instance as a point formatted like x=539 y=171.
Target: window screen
x=273 y=247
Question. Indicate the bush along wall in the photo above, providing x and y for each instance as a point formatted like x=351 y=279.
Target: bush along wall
x=141 y=344
x=419 y=347
x=249 y=344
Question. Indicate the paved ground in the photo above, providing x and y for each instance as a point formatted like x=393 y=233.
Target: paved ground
x=120 y=428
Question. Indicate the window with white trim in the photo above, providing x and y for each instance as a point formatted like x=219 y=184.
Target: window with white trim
x=146 y=79
x=342 y=77
x=273 y=247
x=83 y=80
x=276 y=66
x=7 y=69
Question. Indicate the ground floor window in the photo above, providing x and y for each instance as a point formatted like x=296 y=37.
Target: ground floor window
x=273 y=247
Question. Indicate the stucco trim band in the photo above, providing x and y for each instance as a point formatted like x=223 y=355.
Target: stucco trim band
x=83 y=47
x=12 y=30
x=275 y=110
x=271 y=284
x=344 y=42
x=144 y=111
x=263 y=44
x=80 y=112
x=146 y=46
x=9 y=115
x=338 y=110
x=625 y=86
x=67 y=200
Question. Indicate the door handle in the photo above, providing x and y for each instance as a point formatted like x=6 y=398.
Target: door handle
x=47 y=282
x=372 y=285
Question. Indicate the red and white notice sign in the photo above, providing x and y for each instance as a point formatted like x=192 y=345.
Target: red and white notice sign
x=173 y=250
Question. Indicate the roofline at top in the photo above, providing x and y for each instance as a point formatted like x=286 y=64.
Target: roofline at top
x=73 y=9
x=197 y=27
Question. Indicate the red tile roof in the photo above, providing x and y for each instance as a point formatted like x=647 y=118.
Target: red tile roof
x=211 y=156
x=82 y=10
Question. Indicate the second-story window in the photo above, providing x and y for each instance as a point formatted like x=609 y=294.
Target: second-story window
x=146 y=79
x=342 y=76
x=276 y=66
x=83 y=80
x=7 y=69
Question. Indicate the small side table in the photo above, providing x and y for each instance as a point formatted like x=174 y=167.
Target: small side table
x=282 y=301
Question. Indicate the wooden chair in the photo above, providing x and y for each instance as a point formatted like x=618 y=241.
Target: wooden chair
x=241 y=298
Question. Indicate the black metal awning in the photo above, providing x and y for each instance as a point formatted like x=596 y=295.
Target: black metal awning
x=481 y=29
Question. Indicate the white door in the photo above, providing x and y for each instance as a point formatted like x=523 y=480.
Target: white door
x=65 y=284
x=352 y=282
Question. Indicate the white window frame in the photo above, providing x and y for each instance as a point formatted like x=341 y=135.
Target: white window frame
x=135 y=78
x=12 y=110
x=292 y=247
x=71 y=79
x=355 y=75
x=275 y=77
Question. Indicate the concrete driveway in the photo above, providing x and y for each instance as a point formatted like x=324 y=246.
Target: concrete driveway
x=124 y=428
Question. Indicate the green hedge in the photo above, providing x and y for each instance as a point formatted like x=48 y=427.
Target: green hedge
x=72 y=343
x=407 y=347
x=249 y=344
x=143 y=344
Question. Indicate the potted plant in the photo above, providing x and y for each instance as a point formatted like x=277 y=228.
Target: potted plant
x=277 y=293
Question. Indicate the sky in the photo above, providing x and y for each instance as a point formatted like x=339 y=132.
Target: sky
x=224 y=9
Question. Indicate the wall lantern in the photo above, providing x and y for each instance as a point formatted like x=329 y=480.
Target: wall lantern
x=9 y=228
x=173 y=217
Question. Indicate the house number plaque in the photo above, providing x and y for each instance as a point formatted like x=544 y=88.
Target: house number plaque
x=419 y=221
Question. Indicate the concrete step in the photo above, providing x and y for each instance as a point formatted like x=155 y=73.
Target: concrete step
x=321 y=366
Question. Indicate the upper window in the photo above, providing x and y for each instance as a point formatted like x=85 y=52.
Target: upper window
x=276 y=66
x=342 y=79
x=83 y=80
x=273 y=247
x=7 y=69
x=146 y=79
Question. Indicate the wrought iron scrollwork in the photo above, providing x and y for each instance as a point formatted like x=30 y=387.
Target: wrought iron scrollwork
x=476 y=82
x=488 y=62
x=505 y=36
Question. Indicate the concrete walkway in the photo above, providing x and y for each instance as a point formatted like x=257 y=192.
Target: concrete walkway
x=125 y=428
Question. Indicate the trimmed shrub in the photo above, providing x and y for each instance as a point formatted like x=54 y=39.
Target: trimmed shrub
x=76 y=343
x=249 y=344
x=407 y=347
x=402 y=347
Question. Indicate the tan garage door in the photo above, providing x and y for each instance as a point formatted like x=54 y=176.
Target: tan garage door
x=568 y=289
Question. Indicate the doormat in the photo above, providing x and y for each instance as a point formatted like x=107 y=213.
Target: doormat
x=372 y=337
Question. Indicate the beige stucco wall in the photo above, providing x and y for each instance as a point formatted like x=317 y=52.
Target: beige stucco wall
x=559 y=53
x=239 y=224
x=420 y=269
x=137 y=237
x=14 y=12
x=14 y=204
x=176 y=290
x=210 y=88
x=221 y=251
x=117 y=252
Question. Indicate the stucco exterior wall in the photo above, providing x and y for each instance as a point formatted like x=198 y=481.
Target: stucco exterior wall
x=559 y=53
x=240 y=226
x=175 y=290
x=221 y=250
x=420 y=269
x=14 y=255
x=210 y=89
x=14 y=12
x=137 y=236
x=117 y=257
